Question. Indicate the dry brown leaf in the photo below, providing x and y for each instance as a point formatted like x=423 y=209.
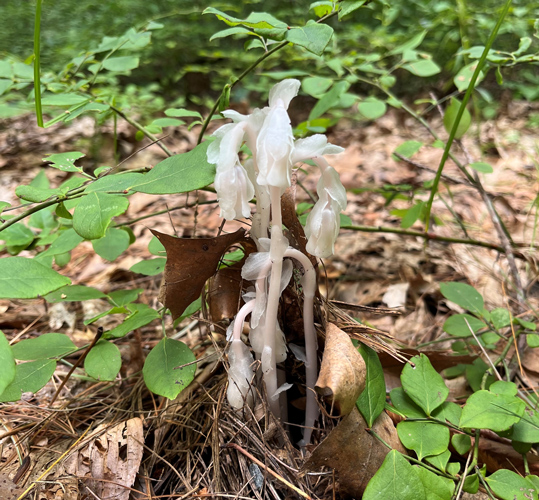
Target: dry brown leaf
x=113 y=455
x=342 y=374
x=8 y=489
x=190 y=263
x=353 y=452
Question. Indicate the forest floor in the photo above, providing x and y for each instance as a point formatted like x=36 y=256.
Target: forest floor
x=176 y=444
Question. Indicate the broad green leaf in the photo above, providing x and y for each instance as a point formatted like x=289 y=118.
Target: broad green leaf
x=70 y=99
x=112 y=245
x=396 y=479
x=425 y=438
x=481 y=166
x=451 y=115
x=66 y=242
x=104 y=361
x=140 y=316
x=181 y=113
x=91 y=106
x=74 y=293
x=372 y=400
x=464 y=77
x=349 y=6
x=475 y=373
x=150 y=267
x=509 y=485
x=500 y=317
x=123 y=297
x=321 y=8
x=411 y=44
x=504 y=387
x=43 y=219
x=161 y=371
x=179 y=173
x=423 y=68
x=329 y=99
x=22 y=278
x=471 y=484
x=259 y=20
x=316 y=86
x=115 y=182
x=231 y=31
x=64 y=161
x=423 y=384
x=29 y=377
x=439 y=461
x=5 y=85
x=464 y=295
x=526 y=430
x=404 y=405
x=17 y=235
x=528 y=325
x=408 y=149
x=94 y=213
x=486 y=410
x=7 y=363
x=532 y=340
x=436 y=487
x=47 y=345
x=155 y=247
x=168 y=122
x=456 y=325
x=313 y=36
x=462 y=443
x=62 y=259
x=449 y=412
x=122 y=63
x=34 y=194
x=112 y=310
x=412 y=214
x=372 y=108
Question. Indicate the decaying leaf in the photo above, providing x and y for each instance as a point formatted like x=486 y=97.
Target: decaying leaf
x=343 y=372
x=353 y=452
x=8 y=489
x=110 y=461
x=190 y=263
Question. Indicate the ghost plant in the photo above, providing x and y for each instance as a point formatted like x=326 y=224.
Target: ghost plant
x=265 y=175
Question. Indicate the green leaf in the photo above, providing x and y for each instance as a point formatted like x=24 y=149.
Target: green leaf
x=34 y=194
x=167 y=122
x=155 y=247
x=475 y=373
x=439 y=461
x=7 y=363
x=423 y=68
x=91 y=106
x=112 y=245
x=179 y=173
x=140 y=316
x=528 y=325
x=451 y=115
x=412 y=214
x=115 y=182
x=372 y=108
x=464 y=295
x=500 y=317
x=486 y=410
x=94 y=213
x=526 y=430
x=123 y=297
x=411 y=44
x=503 y=387
x=329 y=100
x=464 y=77
x=260 y=20
x=456 y=325
x=321 y=8
x=436 y=487
x=408 y=149
x=349 y=6
x=150 y=267
x=230 y=32
x=29 y=377
x=181 y=113
x=64 y=161
x=316 y=86
x=449 y=412
x=161 y=373
x=62 y=259
x=70 y=99
x=423 y=384
x=508 y=485
x=74 y=293
x=17 y=235
x=22 y=278
x=66 y=242
x=122 y=63
x=313 y=36
x=482 y=167
x=47 y=345
x=43 y=219
x=532 y=340
x=462 y=443
x=104 y=361
x=372 y=400
x=404 y=405
x=425 y=438
x=396 y=479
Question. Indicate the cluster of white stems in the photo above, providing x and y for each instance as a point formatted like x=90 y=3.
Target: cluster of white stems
x=266 y=174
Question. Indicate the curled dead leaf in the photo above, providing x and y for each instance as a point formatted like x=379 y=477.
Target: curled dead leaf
x=353 y=452
x=190 y=263
x=343 y=372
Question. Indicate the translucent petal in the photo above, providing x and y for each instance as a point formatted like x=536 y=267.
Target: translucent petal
x=285 y=90
x=333 y=186
x=235 y=116
x=240 y=375
x=257 y=265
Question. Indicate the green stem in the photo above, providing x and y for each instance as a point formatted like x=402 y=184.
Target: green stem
x=37 y=64
x=138 y=126
x=460 y=112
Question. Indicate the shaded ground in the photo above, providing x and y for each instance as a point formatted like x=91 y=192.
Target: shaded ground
x=176 y=438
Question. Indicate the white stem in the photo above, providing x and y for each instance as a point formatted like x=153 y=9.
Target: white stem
x=240 y=319
x=311 y=363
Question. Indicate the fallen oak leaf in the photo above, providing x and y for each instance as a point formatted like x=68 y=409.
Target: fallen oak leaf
x=190 y=263
x=342 y=373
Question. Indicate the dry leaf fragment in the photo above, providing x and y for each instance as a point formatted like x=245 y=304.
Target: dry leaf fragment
x=190 y=263
x=8 y=489
x=343 y=371
x=353 y=452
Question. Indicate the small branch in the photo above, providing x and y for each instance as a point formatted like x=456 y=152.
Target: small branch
x=420 y=166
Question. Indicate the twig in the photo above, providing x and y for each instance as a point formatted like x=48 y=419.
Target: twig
x=420 y=166
x=274 y=474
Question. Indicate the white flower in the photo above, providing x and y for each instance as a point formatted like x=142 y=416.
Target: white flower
x=275 y=141
x=322 y=226
x=240 y=374
x=313 y=146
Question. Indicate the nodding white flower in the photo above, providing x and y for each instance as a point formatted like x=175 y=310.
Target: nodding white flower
x=322 y=226
x=313 y=146
x=241 y=374
x=275 y=141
